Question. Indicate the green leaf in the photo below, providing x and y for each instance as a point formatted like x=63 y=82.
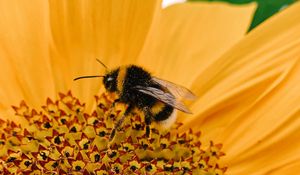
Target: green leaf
x=265 y=8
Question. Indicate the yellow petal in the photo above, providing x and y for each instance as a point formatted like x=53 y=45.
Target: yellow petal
x=272 y=151
x=249 y=98
x=111 y=30
x=189 y=37
x=290 y=168
x=24 y=54
x=45 y=45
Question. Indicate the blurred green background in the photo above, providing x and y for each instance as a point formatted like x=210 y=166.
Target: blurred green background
x=265 y=9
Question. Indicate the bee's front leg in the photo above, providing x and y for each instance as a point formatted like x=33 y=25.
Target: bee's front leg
x=120 y=121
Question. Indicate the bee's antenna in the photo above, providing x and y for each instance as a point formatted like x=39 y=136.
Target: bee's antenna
x=90 y=76
x=102 y=64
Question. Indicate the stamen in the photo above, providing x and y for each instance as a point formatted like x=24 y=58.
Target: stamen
x=64 y=139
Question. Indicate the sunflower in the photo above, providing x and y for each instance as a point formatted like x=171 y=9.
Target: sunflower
x=247 y=85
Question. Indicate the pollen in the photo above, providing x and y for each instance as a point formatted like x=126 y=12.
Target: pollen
x=62 y=138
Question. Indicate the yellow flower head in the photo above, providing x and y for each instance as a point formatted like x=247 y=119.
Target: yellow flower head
x=63 y=138
x=247 y=84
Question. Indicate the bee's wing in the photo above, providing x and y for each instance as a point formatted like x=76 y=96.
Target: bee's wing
x=164 y=97
x=175 y=89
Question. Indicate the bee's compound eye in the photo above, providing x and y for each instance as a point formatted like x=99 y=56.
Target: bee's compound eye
x=109 y=79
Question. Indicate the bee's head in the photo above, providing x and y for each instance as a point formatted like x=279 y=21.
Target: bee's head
x=110 y=81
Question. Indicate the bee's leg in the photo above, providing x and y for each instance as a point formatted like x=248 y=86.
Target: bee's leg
x=120 y=121
x=148 y=122
x=148 y=117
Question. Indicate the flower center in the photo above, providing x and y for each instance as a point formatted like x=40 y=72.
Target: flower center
x=63 y=138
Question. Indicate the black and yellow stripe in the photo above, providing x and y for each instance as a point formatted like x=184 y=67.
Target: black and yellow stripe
x=157 y=107
x=164 y=113
x=121 y=78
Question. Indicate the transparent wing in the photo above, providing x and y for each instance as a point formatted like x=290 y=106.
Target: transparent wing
x=164 y=97
x=175 y=89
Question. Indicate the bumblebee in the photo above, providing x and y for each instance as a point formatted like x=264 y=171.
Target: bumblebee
x=155 y=97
